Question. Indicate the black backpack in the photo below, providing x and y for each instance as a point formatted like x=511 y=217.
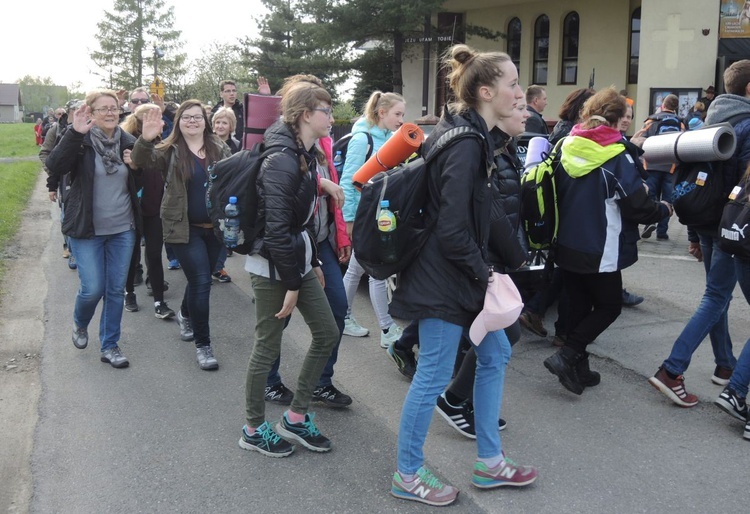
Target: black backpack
x=236 y=176
x=342 y=145
x=699 y=194
x=405 y=188
x=664 y=123
x=734 y=227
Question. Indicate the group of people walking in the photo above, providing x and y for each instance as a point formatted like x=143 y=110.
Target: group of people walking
x=307 y=218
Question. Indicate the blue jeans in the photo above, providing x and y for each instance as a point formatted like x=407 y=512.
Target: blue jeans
x=336 y=295
x=103 y=263
x=660 y=186
x=438 y=343
x=741 y=375
x=711 y=316
x=198 y=258
x=221 y=261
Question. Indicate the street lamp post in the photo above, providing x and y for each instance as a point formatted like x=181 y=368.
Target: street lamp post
x=157 y=86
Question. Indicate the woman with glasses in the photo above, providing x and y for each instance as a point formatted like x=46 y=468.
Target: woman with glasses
x=384 y=114
x=101 y=215
x=286 y=273
x=182 y=159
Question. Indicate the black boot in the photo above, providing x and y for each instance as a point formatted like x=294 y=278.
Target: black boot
x=587 y=377
x=563 y=364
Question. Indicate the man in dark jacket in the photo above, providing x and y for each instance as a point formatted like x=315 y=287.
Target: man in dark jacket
x=536 y=101
x=711 y=316
x=228 y=93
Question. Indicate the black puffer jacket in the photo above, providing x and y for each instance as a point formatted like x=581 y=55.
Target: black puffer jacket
x=505 y=250
x=75 y=156
x=286 y=197
x=562 y=129
x=448 y=279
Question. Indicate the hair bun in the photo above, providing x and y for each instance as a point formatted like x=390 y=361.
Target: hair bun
x=463 y=54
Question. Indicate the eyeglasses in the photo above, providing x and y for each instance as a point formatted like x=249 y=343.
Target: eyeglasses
x=192 y=117
x=327 y=110
x=140 y=101
x=106 y=110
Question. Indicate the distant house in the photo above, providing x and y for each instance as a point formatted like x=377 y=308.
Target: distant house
x=10 y=103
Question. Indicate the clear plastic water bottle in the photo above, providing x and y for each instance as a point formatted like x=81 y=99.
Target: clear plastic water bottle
x=338 y=161
x=232 y=223
x=387 y=227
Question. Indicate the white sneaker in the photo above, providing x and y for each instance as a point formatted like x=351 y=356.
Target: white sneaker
x=393 y=335
x=352 y=328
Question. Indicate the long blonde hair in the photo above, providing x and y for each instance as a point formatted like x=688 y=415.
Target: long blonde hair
x=379 y=100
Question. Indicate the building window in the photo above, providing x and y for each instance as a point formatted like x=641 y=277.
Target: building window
x=569 y=69
x=541 y=49
x=635 y=46
x=514 y=42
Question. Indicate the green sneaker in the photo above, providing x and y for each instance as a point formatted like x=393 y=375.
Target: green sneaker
x=425 y=488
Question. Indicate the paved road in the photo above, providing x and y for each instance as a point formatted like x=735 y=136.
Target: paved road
x=162 y=435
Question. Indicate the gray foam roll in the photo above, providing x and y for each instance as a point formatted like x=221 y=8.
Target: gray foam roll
x=714 y=143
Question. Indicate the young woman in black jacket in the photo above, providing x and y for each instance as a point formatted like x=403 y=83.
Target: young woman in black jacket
x=444 y=287
x=285 y=271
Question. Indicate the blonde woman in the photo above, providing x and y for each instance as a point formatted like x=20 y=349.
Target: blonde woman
x=101 y=216
x=384 y=114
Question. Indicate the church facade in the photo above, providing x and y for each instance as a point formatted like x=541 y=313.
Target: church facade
x=647 y=47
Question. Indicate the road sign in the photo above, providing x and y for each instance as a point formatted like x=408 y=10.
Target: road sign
x=157 y=87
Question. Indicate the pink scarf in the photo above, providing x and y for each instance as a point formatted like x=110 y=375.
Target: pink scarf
x=603 y=135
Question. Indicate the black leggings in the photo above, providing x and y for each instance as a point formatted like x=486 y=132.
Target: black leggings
x=595 y=302
x=152 y=232
x=135 y=263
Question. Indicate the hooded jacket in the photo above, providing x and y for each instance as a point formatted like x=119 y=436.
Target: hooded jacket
x=601 y=200
x=74 y=157
x=355 y=158
x=722 y=108
x=448 y=280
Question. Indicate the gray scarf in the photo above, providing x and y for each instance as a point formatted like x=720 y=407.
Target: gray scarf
x=109 y=149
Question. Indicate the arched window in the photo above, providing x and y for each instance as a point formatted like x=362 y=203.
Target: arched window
x=569 y=69
x=541 y=49
x=514 y=42
x=635 y=46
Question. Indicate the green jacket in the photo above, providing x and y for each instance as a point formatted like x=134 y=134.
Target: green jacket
x=174 y=207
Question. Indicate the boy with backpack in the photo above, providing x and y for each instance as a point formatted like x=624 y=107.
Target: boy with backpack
x=660 y=180
x=711 y=316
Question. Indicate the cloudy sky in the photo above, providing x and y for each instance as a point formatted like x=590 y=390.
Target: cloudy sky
x=59 y=35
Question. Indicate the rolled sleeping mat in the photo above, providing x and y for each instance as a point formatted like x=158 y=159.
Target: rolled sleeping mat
x=404 y=142
x=711 y=143
x=261 y=111
x=538 y=149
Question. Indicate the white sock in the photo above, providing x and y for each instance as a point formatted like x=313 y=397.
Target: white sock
x=493 y=462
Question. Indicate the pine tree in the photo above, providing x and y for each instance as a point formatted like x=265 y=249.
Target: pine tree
x=128 y=36
x=292 y=41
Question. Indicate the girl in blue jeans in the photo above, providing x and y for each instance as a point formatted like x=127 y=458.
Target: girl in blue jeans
x=444 y=287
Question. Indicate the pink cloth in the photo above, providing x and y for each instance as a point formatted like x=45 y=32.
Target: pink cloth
x=604 y=135
x=342 y=239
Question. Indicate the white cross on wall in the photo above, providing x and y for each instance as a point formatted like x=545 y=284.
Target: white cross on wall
x=673 y=37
